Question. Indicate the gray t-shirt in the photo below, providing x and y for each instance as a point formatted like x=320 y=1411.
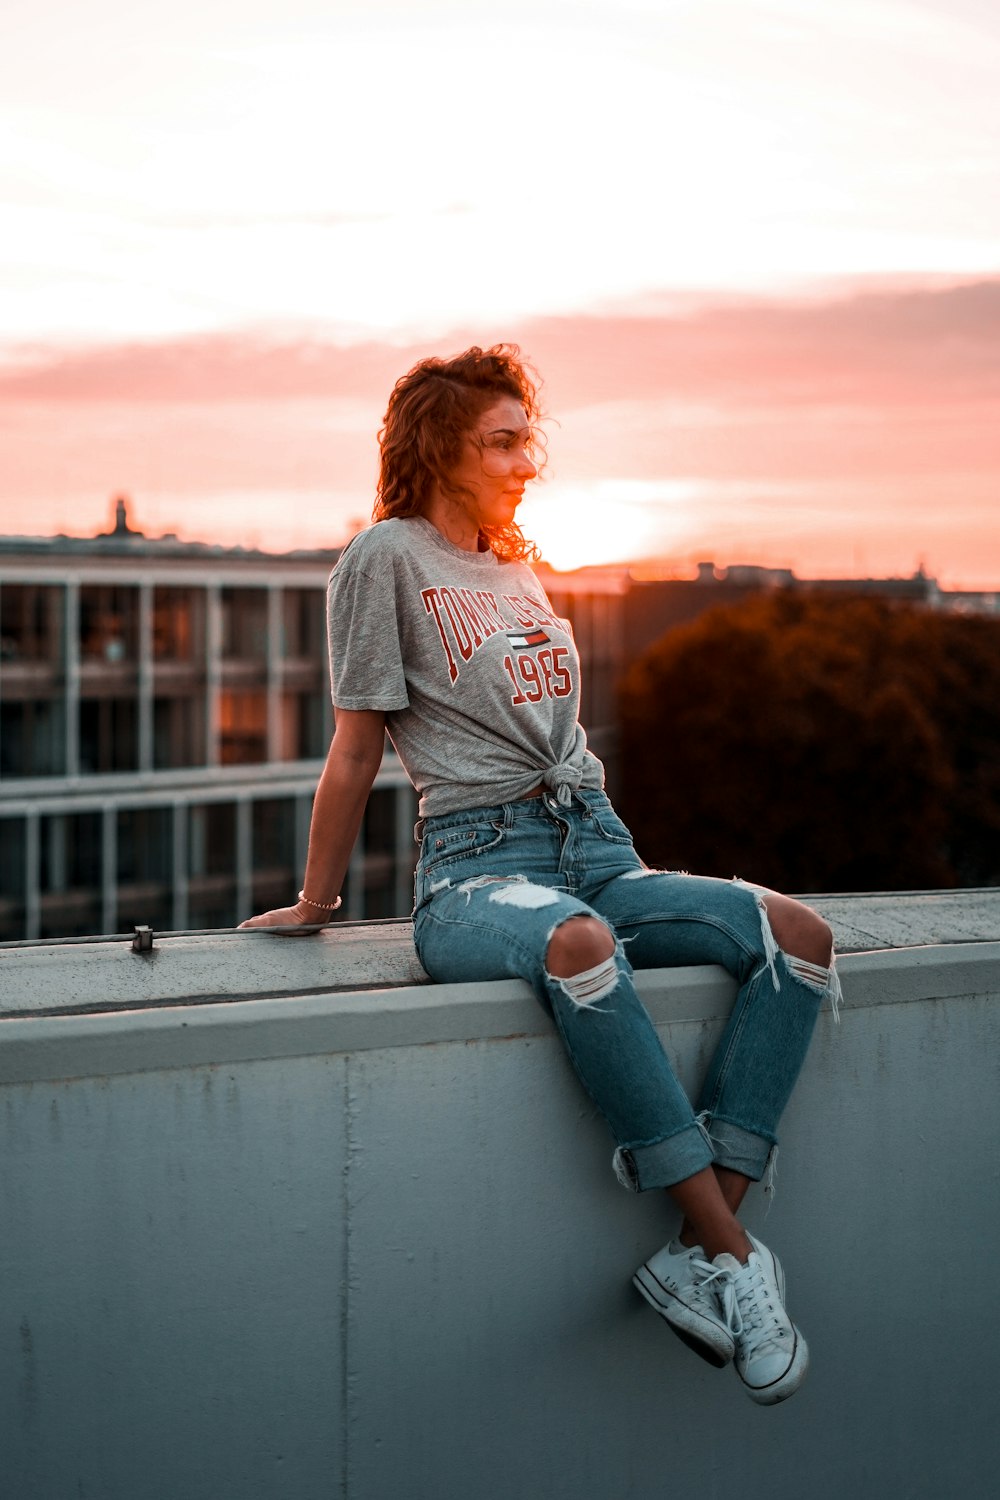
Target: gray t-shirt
x=478 y=677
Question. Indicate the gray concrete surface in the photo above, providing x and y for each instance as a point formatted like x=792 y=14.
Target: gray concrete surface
x=38 y=978
x=367 y=1244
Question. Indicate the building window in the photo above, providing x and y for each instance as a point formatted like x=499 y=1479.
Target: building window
x=32 y=716
x=31 y=623
x=302 y=728
x=379 y=870
x=13 y=838
x=178 y=732
x=244 y=624
x=275 y=877
x=70 y=874
x=145 y=867
x=242 y=726
x=274 y=834
x=32 y=738
x=211 y=839
x=109 y=623
x=303 y=625
x=109 y=739
x=212 y=865
x=178 y=624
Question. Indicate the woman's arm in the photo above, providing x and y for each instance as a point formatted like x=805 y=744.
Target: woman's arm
x=351 y=765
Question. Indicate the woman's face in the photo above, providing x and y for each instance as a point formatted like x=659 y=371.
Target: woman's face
x=496 y=464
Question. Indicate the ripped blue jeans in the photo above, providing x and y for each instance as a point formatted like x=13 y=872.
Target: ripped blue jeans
x=493 y=884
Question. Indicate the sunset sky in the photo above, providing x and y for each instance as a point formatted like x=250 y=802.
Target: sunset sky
x=753 y=248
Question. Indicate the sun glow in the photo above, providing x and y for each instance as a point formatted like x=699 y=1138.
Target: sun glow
x=608 y=521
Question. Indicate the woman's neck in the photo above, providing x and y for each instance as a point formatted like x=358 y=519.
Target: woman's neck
x=454 y=523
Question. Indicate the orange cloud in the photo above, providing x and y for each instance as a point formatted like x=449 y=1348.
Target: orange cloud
x=899 y=346
x=856 y=432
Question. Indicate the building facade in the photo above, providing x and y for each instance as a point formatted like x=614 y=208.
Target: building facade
x=164 y=717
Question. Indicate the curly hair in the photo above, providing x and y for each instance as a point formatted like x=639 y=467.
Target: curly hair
x=431 y=412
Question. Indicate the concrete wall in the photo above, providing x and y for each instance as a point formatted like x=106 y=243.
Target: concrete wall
x=368 y=1245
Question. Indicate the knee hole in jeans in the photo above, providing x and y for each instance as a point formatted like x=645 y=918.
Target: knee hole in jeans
x=577 y=944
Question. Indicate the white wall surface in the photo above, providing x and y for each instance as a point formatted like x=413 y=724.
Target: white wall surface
x=368 y=1245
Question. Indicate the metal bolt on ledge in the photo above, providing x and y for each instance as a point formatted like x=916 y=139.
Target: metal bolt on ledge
x=142 y=940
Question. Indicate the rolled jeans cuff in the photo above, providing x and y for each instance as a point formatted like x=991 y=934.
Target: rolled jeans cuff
x=738 y=1149
x=659 y=1164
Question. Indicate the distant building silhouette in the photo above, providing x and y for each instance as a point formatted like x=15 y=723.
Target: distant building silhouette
x=655 y=605
x=121 y=526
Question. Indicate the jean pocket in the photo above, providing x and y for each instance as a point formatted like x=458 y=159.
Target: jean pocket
x=443 y=846
x=608 y=825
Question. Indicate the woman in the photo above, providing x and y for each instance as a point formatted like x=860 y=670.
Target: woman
x=442 y=635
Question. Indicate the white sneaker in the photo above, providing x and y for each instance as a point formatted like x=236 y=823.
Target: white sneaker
x=771 y=1354
x=685 y=1289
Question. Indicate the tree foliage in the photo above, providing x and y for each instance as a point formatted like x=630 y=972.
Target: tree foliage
x=817 y=742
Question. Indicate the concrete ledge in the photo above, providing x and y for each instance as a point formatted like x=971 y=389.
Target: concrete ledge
x=235 y=965
x=106 y=975
x=113 y=1042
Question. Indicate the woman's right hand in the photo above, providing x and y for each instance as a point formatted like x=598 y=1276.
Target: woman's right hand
x=300 y=920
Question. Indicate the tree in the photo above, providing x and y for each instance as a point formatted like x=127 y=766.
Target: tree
x=818 y=742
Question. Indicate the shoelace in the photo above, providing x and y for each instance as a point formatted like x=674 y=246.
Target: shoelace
x=748 y=1310
x=703 y=1285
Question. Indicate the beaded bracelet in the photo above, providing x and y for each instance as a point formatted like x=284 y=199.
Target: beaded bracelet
x=321 y=905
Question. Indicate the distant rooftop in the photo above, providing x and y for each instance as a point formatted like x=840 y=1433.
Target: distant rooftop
x=124 y=539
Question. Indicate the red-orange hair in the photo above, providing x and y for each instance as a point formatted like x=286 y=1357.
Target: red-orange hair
x=431 y=412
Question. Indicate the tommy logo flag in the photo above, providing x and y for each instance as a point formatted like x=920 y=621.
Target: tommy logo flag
x=522 y=641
